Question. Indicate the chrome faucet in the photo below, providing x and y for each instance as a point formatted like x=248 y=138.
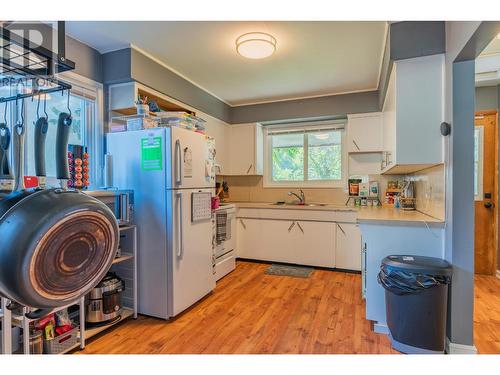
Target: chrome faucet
x=302 y=197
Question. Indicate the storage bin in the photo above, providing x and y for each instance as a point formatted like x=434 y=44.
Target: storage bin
x=61 y=343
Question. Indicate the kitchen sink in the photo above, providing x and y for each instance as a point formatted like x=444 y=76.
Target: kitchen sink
x=298 y=204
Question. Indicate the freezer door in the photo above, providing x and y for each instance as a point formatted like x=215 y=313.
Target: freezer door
x=191 y=167
x=190 y=253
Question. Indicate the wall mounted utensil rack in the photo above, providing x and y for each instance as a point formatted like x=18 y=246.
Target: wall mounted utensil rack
x=23 y=61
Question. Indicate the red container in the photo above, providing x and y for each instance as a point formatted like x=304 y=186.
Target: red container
x=215 y=203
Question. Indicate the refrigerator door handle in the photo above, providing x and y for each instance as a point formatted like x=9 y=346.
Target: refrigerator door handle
x=180 y=249
x=178 y=163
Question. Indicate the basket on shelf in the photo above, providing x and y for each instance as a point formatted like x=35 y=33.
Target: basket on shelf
x=408 y=204
x=61 y=343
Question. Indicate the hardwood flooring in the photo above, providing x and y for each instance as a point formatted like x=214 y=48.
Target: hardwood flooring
x=487 y=314
x=251 y=313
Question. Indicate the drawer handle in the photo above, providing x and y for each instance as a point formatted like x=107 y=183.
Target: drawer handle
x=341 y=229
x=243 y=224
x=300 y=227
x=291 y=226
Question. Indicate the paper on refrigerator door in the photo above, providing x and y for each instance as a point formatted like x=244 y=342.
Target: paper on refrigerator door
x=151 y=155
x=188 y=163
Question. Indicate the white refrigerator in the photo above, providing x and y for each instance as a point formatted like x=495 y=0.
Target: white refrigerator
x=169 y=169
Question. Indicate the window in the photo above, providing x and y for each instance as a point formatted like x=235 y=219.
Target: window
x=86 y=127
x=300 y=155
x=478 y=162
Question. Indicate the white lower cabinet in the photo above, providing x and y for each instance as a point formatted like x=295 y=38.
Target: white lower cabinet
x=311 y=243
x=264 y=239
x=314 y=243
x=288 y=241
x=348 y=246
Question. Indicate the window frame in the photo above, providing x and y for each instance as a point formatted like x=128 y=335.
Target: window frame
x=94 y=129
x=309 y=128
x=480 y=163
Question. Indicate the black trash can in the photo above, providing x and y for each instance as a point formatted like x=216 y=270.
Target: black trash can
x=416 y=298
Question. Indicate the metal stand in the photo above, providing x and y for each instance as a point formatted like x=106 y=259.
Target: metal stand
x=6 y=317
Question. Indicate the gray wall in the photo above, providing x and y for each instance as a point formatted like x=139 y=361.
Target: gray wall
x=487 y=97
x=333 y=105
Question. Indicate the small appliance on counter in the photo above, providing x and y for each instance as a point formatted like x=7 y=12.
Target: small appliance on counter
x=103 y=303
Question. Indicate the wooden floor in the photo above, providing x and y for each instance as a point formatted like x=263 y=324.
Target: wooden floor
x=487 y=314
x=250 y=312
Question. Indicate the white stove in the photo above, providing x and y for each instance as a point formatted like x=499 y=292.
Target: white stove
x=224 y=239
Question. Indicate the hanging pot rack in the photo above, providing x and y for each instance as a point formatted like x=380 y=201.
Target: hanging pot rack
x=32 y=66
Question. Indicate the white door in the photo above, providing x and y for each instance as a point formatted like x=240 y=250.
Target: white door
x=242 y=149
x=190 y=253
x=314 y=243
x=191 y=167
x=348 y=247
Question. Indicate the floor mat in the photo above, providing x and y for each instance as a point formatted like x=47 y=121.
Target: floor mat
x=286 y=270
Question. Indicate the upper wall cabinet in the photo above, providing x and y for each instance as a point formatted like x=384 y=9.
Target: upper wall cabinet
x=246 y=150
x=412 y=114
x=364 y=133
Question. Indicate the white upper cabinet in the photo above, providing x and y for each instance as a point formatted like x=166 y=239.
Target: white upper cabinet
x=246 y=150
x=364 y=133
x=412 y=114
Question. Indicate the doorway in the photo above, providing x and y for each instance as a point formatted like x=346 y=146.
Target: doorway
x=486 y=192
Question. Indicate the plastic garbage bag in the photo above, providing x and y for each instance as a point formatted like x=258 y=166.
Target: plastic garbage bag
x=403 y=282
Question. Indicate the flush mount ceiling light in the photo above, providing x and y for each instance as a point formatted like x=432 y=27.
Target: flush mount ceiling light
x=256 y=45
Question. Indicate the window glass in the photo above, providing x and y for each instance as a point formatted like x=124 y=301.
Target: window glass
x=478 y=162
x=324 y=155
x=288 y=157
x=81 y=112
x=309 y=156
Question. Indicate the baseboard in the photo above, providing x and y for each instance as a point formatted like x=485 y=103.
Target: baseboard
x=453 y=348
x=380 y=328
x=498 y=274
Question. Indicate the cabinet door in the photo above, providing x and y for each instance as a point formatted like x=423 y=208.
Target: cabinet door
x=314 y=243
x=242 y=149
x=269 y=240
x=248 y=243
x=364 y=133
x=348 y=247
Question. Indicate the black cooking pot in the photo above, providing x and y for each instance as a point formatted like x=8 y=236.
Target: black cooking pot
x=55 y=244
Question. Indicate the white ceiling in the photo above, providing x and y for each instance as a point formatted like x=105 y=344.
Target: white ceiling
x=312 y=58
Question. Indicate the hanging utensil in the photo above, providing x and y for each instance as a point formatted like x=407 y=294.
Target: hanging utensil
x=56 y=244
x=19 y=139
x=41 y=128
x=6 y=177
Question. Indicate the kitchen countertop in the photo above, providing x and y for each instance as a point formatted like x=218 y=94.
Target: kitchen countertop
x=270 y=205
x=381 y=214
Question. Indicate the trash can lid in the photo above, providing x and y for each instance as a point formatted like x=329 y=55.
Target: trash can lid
x=418 y=264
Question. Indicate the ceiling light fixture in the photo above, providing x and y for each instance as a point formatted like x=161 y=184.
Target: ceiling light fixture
x=256 y=45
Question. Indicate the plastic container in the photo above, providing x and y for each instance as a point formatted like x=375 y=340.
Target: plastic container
x=61 y=343
x=416 y=296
